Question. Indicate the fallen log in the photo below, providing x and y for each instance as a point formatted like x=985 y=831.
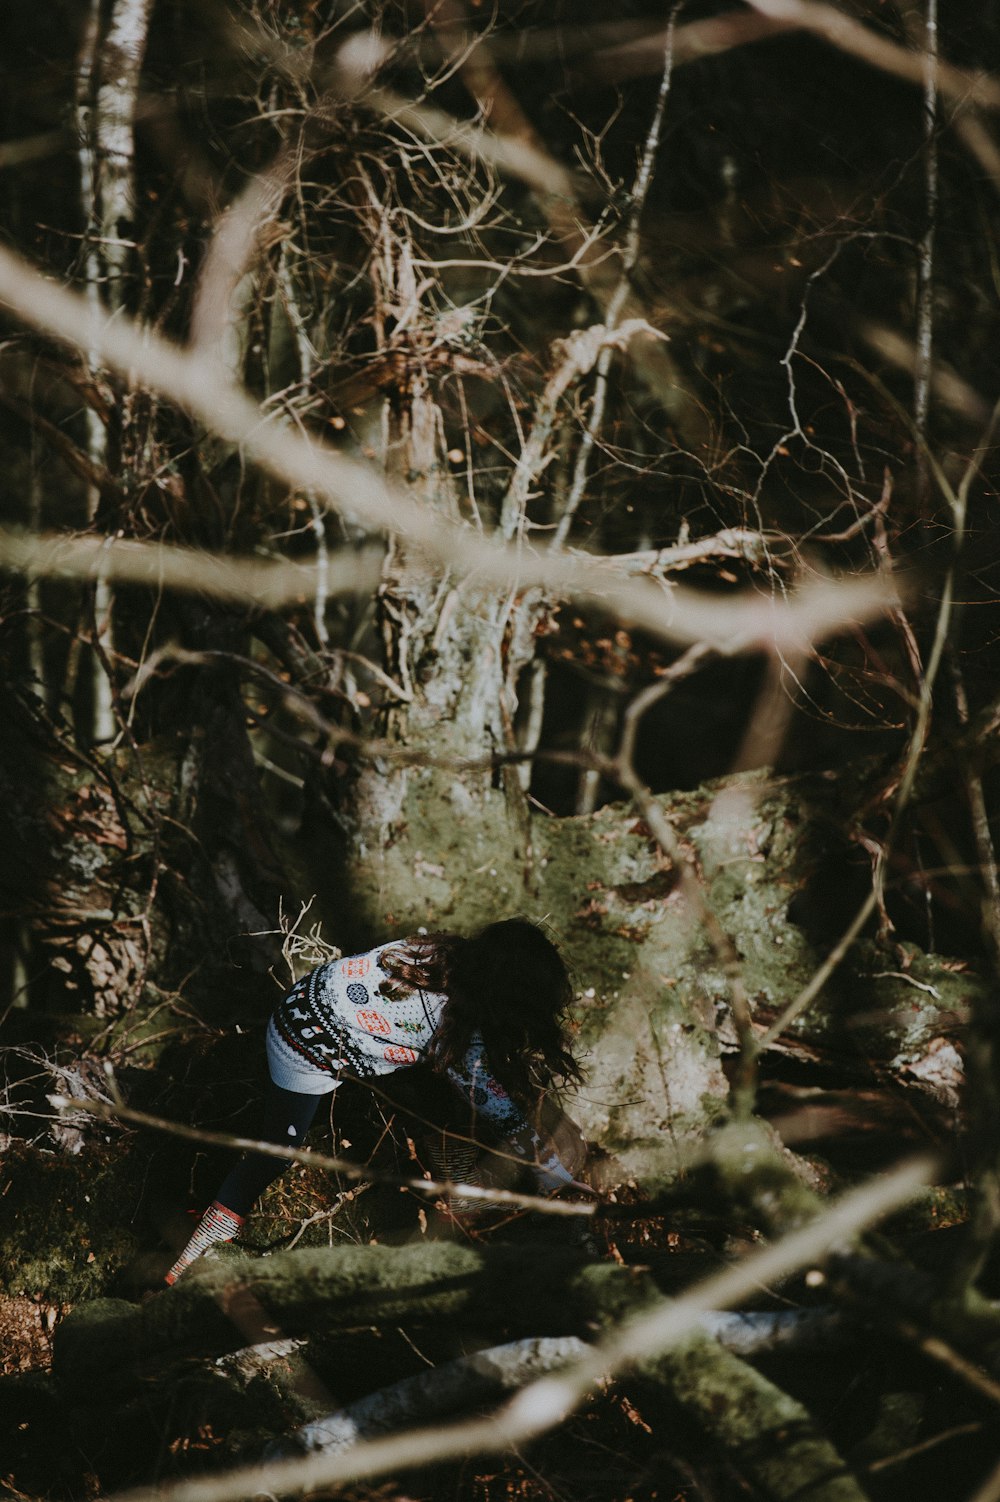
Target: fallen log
x=487 y=1375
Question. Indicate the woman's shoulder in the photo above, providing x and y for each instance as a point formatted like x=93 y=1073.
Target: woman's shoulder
x=357 y=966
x=393 y=960
x=394 y=970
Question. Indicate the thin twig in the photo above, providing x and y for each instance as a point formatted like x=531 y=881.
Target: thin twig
x=887 y=1461
x=818 y=980
x=319 y=1216
x=689 y=663
x=925 y=253
x=945 y=1355
x=630 y=258
x=958 y=500
x=109 y=1111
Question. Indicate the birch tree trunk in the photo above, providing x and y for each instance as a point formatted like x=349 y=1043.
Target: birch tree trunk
x=108 y=72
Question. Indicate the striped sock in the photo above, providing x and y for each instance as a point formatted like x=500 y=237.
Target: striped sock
x=217 y=1224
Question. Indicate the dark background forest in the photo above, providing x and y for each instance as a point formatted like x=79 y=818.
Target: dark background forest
x=463 y=460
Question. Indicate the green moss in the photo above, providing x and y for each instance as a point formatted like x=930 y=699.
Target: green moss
x=653 y=1007
x=64 y=1220
x=755 y=1174
x=768 y=1434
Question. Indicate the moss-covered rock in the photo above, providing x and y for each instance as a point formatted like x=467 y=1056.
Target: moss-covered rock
x=652 y=1016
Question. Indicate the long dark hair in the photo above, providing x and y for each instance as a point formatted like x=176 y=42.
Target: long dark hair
x=509 y=983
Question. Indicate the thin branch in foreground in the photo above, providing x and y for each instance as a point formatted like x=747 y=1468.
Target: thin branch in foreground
x=285 y=581
x=945 y=384
x=161 y=565
x=33 y=148
x=990 y=1489
x=112 y=1111
x=546 y=1403
x=619 y=60
x=742 y=624
x=878 y=51
x=236 y=239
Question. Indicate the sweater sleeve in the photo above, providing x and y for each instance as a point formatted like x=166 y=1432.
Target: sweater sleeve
x=490 y=1101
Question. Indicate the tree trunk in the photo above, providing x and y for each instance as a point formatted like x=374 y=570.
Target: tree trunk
x=80 y=864
x=454 y=648
x=108 y=72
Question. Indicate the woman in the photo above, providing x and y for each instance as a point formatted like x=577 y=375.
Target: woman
x=485 y=1011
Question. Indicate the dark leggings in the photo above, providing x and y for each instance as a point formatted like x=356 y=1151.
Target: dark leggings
x=288 y=1115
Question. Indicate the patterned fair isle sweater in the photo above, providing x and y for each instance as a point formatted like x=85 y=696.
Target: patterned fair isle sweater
x=348 y=1018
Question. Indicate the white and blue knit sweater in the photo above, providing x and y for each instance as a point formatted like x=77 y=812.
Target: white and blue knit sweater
x=350 y=1019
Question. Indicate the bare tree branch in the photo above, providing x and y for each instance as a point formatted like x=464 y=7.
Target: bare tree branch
x=876 y=49
x=568 y=219
x=115 y=1110
x=629 y=260
x=161 y=565
x=731 y=625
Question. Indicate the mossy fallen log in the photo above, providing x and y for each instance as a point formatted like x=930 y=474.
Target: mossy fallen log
x=486 y=1375
x=454 y=1387
x=534 y=1290
x=768 y=1436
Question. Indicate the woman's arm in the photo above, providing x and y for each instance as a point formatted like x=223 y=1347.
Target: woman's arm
x=491 y=1102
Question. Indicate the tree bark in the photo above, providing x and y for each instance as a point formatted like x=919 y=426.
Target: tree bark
x=80 y=864
x=108 y=73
